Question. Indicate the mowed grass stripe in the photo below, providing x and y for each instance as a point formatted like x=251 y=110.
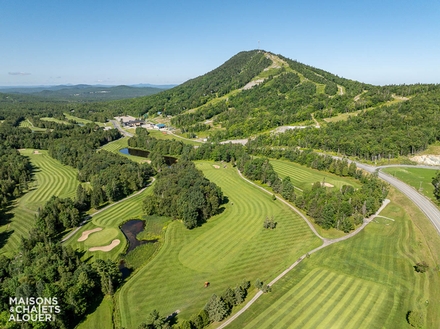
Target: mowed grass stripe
x=332 y=296
x=301 y=312
x=50 y=178
x=207 y=245
x=290 y=301
x=172 y=284
x=327 y=319
x=380 y=258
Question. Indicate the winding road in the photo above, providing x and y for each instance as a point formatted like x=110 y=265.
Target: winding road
x=426 y=206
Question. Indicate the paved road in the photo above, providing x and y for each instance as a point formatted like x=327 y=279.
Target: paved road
x=122 y=131
x=426 y=206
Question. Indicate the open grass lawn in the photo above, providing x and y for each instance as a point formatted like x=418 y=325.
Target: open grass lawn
x=51 y=178
x=119 y=144
x=419 y=178
x=230 y=247
x=303 y=177
x=367 y=281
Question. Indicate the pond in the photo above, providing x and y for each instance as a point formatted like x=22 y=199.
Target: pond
x=131 y=229
x=145 y=154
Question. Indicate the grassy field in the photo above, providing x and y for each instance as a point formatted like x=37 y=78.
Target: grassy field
x=51 y=178
x=160 y=135
x=419 y=178
x=27 y=124
x=344 y=116
x=121 y=143
x=432 y=149
x=54 y=120
x=367 y=281
x=81 y=120
x=228 y=248
x=101 y=318
x=303 y=177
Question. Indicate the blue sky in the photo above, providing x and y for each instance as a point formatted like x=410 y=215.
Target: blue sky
x=168 y=42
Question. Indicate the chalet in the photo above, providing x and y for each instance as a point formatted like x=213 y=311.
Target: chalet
x=160 y=126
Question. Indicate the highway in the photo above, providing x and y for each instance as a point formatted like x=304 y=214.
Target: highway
x=426 y=206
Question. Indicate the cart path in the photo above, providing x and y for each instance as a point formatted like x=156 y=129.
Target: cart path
x=326 y=242
x=105 y=208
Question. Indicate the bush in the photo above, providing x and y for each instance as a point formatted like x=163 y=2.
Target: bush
x=421 y=267
x=416 y=319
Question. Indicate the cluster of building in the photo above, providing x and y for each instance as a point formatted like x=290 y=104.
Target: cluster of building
x=129 y=121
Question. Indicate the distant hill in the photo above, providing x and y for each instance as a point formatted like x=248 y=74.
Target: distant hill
x=82 y=92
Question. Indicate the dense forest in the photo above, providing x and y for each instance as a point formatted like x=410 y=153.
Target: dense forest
x=15 y=174
x=181 y=191
x=389 y=131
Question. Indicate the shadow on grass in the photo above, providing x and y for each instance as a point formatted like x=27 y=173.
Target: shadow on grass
x=4 y=236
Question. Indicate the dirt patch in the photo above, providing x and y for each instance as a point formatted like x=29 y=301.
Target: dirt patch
x=86 y=234
x=216 y=167
x=114 y=243
x=37 y=152
x=250 y=84
x=429 y=159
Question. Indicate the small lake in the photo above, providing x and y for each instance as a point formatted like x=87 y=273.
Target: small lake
x=145 y=154
x=131 y=229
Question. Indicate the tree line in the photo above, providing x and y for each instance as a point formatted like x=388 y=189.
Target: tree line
x=45 y=268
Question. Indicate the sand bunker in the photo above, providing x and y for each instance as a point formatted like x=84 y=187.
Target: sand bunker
x=37 y=152
x=216 y=167
x=106 y=248
x=85 y=234
x=326 y=184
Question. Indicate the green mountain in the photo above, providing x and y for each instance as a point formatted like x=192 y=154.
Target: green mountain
x=83 y=93
x=258 y=93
